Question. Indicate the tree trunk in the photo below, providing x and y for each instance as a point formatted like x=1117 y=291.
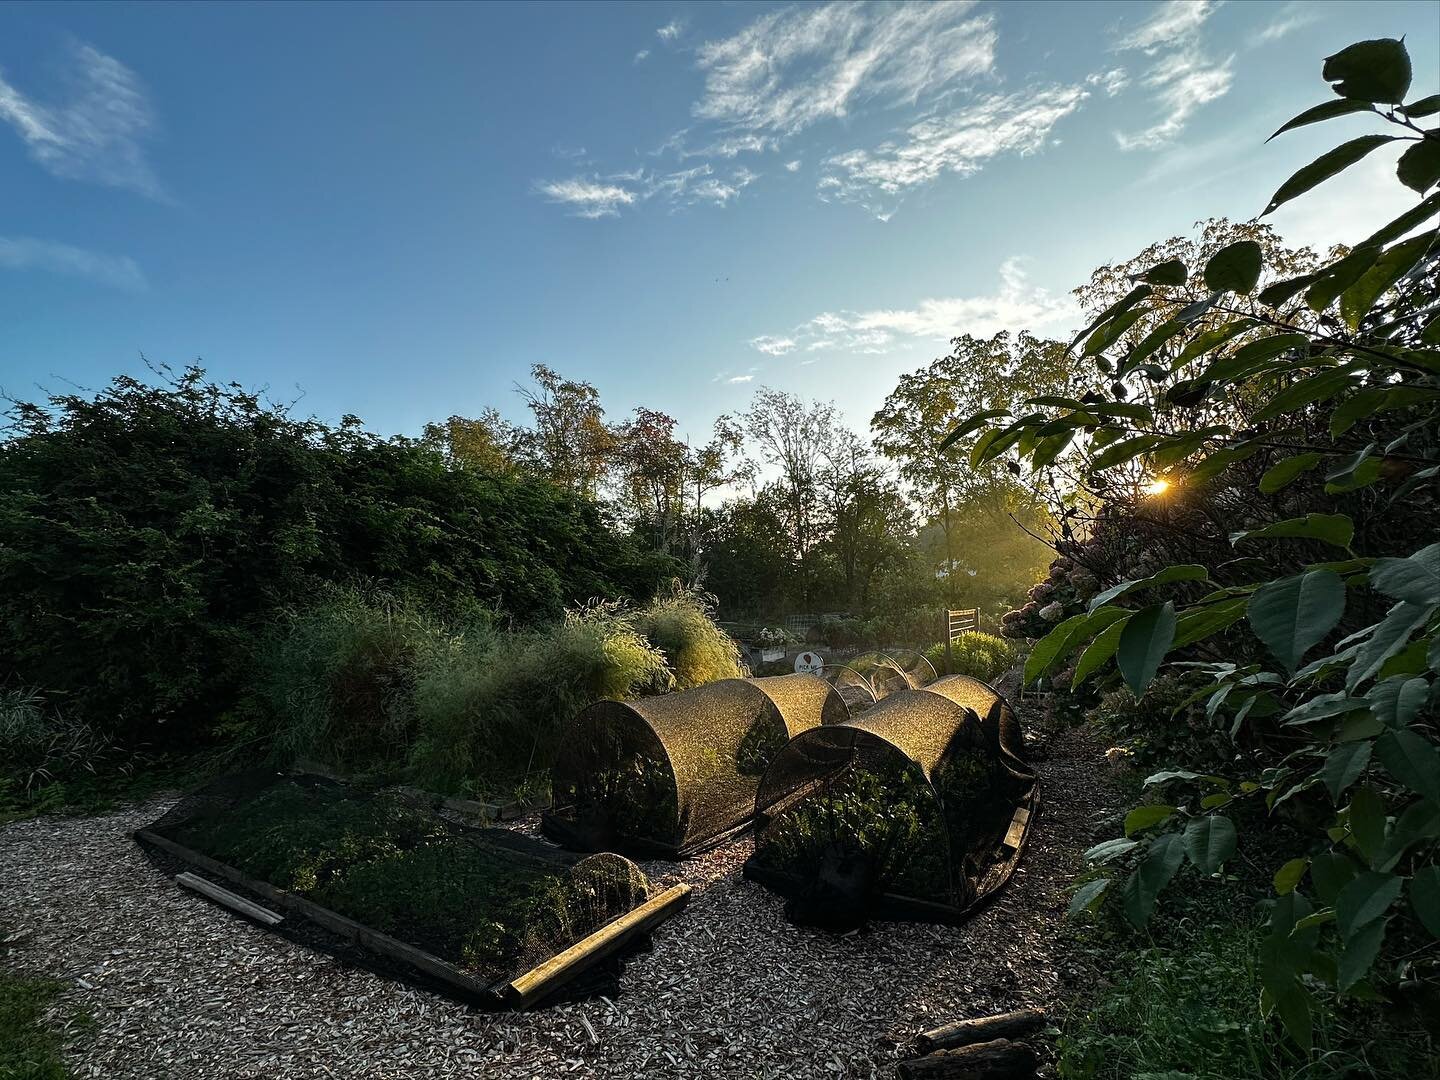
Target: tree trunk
x=996 y=1060
x=1011 y=1025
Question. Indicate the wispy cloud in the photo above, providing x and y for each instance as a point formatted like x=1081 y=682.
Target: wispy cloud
x=595 y=197
x=1016 y=304
x=1290 y=18
x=792 y=166
x=25 y=253
x=671 y=30
x=740 y=379
x=957 y=142
x=588 y=198
x=97 y=129
x=793 y=67
x=1112 y=81
x=1182 y=78
x=641 y=55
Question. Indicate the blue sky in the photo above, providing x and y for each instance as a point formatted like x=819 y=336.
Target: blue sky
x=396 y=210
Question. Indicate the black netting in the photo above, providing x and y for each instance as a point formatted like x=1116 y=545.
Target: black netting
x=671 y=775
x=916 y=808
x=489 y=902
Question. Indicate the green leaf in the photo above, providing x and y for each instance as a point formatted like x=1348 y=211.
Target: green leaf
x=1107 y=850
x=1331 y=871
x=1088 y=896
x=1394 y=264
x=1110 y=332
x=1405 y=222
x=1143 y=644
x=1358 y=470
x=1211 y=339
x=1286 y=470
x=1124 y=450
x=1098 y=652
x=1388 y=638
x=1345 y=764
x=1365 y=899
x=1292 y=1004
x=1168 y=576
x=1425 y=897
x=1234 y=268
x=1253 y=356
x=1196 y=624
x=1413 y=760
x=1143 y=817
x=1426 y=106
x=1324 y=167
x=1151 y=876
x=1325 y=384
x=1334 y=279
x=1281 y=291
x=1395 y=701
x=1336 y=529
x=1289 y=875
x=1293 y=614
x=1169 y=272
x=974 y=423
x=1416 y=579
x=1367 y=821
x=1327 y=111
x=1209 y=841
x=1125 y=303
x=1360 y=952
x=1376 y=70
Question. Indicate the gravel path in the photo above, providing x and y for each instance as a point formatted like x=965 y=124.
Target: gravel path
x=178 y=988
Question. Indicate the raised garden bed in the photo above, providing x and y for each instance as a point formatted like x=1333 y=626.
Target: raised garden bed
x=485 y=912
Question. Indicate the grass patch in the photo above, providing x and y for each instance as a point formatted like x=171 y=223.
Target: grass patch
x=29 y=1044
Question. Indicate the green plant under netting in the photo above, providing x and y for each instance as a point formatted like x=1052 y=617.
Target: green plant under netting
x=766 y=738
x=696 y=650
x=632 y=794
x=398 y=868
x=885 y=815
x=981 y=656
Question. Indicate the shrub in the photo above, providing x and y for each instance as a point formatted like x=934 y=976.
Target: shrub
x=696 y=650
x=979 y=655
x=1166 y=726
x=41 y=745
x=498 y=704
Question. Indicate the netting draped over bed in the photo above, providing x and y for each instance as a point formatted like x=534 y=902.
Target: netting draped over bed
x=672 y=775
x=916 y=808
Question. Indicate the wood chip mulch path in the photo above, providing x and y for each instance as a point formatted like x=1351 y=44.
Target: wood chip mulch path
x=178 y=989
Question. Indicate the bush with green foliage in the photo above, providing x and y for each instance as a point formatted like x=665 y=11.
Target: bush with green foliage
x=155 y=528
x=981 y=656
x=697 y=651
x=41 y=745
x=1313 y=405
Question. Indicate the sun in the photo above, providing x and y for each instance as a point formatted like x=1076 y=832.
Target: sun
x=1157 y=486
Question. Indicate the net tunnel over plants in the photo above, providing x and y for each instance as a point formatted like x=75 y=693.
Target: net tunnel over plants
x=916 y=809
x=384 y=879
x=672 y=775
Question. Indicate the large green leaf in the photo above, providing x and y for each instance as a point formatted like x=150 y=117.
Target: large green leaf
x=1368 y=897
x=1106 y=334
x=1253 y=356
x=1390 y=636
x=1324 y=167
x=1125 y=303
x=1358 y=956
x=1197 y=623
x=1367 y=821
x=1145 y=817
x=974 y=423
x=1396 y=700
x=1234 y=268
x=1169 y=272
x=1108 y=850
x=1395 y=263
x=1168 y=576
x=1344 y=764
x=1331 y=871
x=1098 y=652
x=1143 y=644
x=1286 y=470
x=1124 y=450
x=1318 y=387
x=1413 y=760
x=1427 y=209
x=1209 y=841
x=1289 y=875
x=1376 y=70
x=1293 y=614
x=1425 y=897
x=1088 y=896
x=1416 y=579
x=1327 y=111
x=1426 y=106
x=1151 y=876
x=1336 y=529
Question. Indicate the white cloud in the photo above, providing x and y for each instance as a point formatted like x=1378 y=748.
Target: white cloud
x=792 y=166
x=958 y=142
x=1291 y=18
x=1183 y=78
x=671 y=30
x=1016 y=305
x=1112 y=81
x=117 y=271
x=641 y=55
x=589 y=198
x=96 y=132
x=793 y=67
x=1171 y=20
x=740 y=379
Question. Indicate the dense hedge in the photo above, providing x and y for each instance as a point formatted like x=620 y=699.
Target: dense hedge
x=146 y=530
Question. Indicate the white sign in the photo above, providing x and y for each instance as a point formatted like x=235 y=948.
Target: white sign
x=770 y=653
x=809 y=663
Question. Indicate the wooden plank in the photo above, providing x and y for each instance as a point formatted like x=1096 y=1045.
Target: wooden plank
x=420 y=960
x=1011 y=1025
x=539 y=981
x=998 y=1059
x=231 y=900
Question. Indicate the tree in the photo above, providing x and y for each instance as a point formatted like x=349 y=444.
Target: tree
x=570 y=444
x=487 y=443
x=653 y=471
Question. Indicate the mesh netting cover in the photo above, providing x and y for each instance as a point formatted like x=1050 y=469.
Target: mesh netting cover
x=675 y=774
x=916 y=809
x=490 y=902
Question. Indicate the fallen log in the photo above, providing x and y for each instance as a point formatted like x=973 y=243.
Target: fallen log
x=1010 y=1025
x=999 y=1059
